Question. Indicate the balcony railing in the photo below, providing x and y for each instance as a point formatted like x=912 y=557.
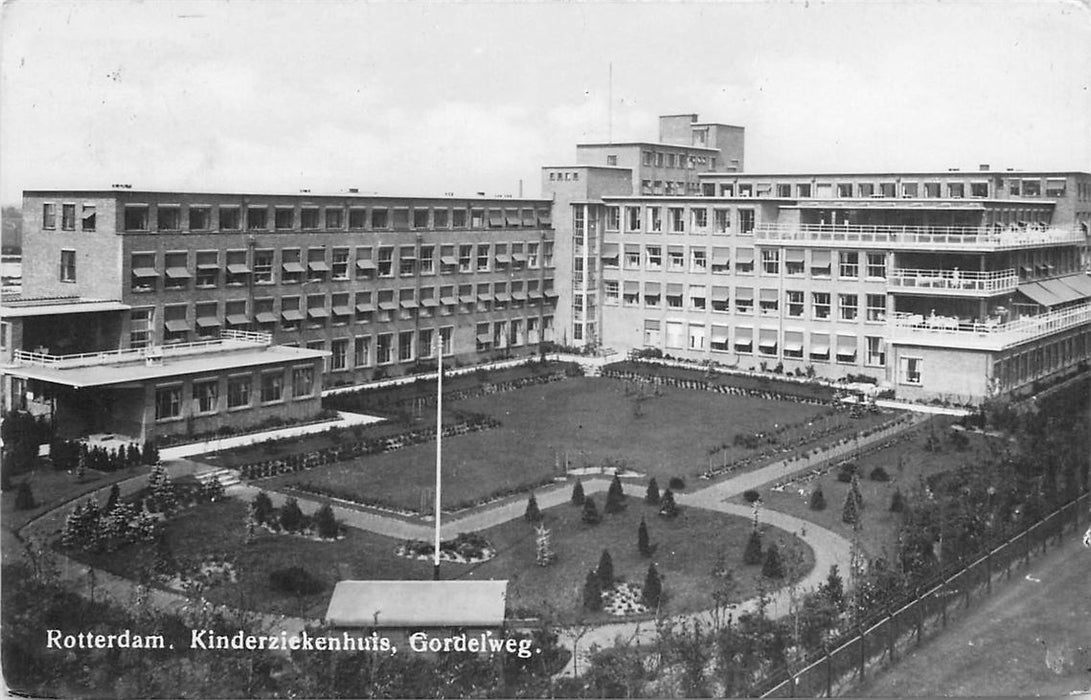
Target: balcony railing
x=954 y=281
x=229 y=339
x=956 y=332
x=923 y=237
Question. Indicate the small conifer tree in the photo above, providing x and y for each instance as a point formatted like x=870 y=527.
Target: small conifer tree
x=24 y=497
x=855 y=489
x=652 y=495
x=897 y=502
x=325 y=523
x=615 y=497
x=772 y=567
x=605 y=570
x=850 y=512
x=291 y=517
x=652 y=593
x=532 y=514
x=834 y=588
x=592 y=593
x=753 y=554
x=667 y=507
x=591 y=512
x=643 y=544
x=818 y=499
x=544 y=553
x=577 y=493
x=262 y=507
x=111 y=500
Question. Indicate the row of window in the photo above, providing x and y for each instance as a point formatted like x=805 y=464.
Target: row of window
x=68 y=216
x=211 y=396
x=849 y=263
x=296 y=265
x=667 y=159
x=654 y=219
x=1018 y=187
x=195 y=217
x=767 y=302
x=768 y=342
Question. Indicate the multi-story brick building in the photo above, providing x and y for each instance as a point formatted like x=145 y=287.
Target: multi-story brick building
x=955 y=284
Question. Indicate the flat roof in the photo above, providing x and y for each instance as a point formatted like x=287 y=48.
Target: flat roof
x=128 y=194
x=908 y=173
x=417 y=604
x=230 y=355
x=19 y=307
x=657 y=144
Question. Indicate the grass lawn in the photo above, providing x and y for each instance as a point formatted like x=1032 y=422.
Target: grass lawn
x=684 y=556
x=51 y=488
x=590 y=420
x=905 y=462
x=686 y=552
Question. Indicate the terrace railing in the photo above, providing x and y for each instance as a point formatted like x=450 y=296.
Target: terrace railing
x=944 y=330
x=953 y=281
x=228 y=339
x=922 y=237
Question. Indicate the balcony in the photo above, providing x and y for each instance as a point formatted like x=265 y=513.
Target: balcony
x=228 y=340
x=944 y=331
x=953 y=282
x=962 y=238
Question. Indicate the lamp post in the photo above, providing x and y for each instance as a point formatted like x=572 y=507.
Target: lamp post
x=439 y=446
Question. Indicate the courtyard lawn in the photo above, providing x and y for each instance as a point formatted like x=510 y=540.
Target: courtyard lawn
x=52 y=488
x=589 y=421
x=906 y=463
x=687 y=550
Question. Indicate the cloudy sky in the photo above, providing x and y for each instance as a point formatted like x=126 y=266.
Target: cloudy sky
x=426 y=98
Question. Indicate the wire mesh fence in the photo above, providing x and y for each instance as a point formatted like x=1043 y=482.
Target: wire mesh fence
x=930 y=611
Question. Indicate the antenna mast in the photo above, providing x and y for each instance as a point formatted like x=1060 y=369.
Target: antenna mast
x=610 y=105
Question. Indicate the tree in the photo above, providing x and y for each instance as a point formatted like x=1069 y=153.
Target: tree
x=772 y=567
x=605 y=570
x=591 y=512
x=291 y=517
x=325 y=523
x=855 y=490
x=544 y=553
x=850 y=513
x=81 y=467
x=818 y=499
x=615 y=497
x=897 y=502
x=592 y=593
x=834 y=588
x=753 y=553
x=652 y=495
x=667 y=507
x=111 y=500
x=532 y=514
x=262 y=507
x=150 y=453
x=577 y=493
x=653 y=588
x=751 y=496
x=643 y=545
x=164 y=563
x=24 y=497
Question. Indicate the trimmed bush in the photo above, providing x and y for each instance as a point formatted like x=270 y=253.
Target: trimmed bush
x=677 y=483
x=751 y=496
x=846 y=471
x=261 y=507
x=291 y=517
x=897 y=502
x=577 y=493
x=591 y=512
x=753 y=554
x=605 y=570
x=653 y=588
x=532 y=514
x=325 y=524
x=615 y=497
x=667 y=507
x=295 y=580
x=850 y=512
x=818 y=499
x=772 y=566
x=879 y=474
x=651 y=497
x=592 y=593
x=643 y=543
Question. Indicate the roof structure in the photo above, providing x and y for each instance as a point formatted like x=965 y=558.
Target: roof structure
x=376 y=604
x=22 y=307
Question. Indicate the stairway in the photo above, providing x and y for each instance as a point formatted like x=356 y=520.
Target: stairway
x=226 y=477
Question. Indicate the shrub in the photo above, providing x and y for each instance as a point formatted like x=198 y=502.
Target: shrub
x=653 y=588
x=592 y=593
x=959 y=441
x=325 y=523
x=897 y=502
x=652 y=495
x=772 y=566
x=850 y=512
x=24 y=497
x=615 y=497
x=818 y=499
x=751 y=496
x=855 y=491
x=753 y=554
x=605 y=570
x=111 y=500
x=591 y=512
x=879 y=474
x=295 y=580
x=846 y=471
x=677 y=483
x=667 y=507
x=643 y=543
x=577 y=493
x=291 y=517
x=532 y=514
x=261 y=507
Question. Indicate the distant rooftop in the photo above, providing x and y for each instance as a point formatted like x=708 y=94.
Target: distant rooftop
x=299 y=194
x=655 y=144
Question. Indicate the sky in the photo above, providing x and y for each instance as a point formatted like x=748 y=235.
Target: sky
x=426 y=98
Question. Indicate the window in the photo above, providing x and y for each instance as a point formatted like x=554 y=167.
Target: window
x=407 y=260
x=655 y=219
x=339 y=358
x=956 y=190
x=291 y=268
x=177 y=270
x=357 y=217
x=795 y=303
x=427 y=262
x=168 y=402
x=200 y=218
x=769 y=299
x=721 y=261
x=696 y=336
x=206 y=396
x=140 y=324
x=613 y=218
x=425 y=340
x=676 y=258
x=674 y=337
x=979 y=189
x=68 y=217
x=238 y=392
x=698 y=260
x=458 y=218
x=339 y=270
x=308 y=218
x=263 y=267
x=721 y=299
x=238 y=272
x=876 y=351
x=632 y=257
x=820 y=302
x=1054 y=187
x=746 y=221
x=302 y=381
x=909 y=190
x=793 y=262
x=88 y=217
x=483 y=257
x=362 y=351
x=143 y=272
x=651 y=294
x=910 y=370
x=866 y=189
x=876 y=307
x=632 y=218
x=230 y=219
x=876 y=265
x=420 y=218
x=844 y=189
x=820 y=263
x=379 y=218
x=335 y=218
x=847 y=304
x=136 y=217
x=465 y=258
x=697 y=298
x=677 y=219
x=440 y=218
x=770 y=261
x=803 y=190
x=746 y=190
x=175 y=326
x=340 y=309
x=654 y=255
x=931 y=190
x=257 y=218
x=68 y=266
x=784 y=191
x=744 y=300
x=850 y=264
x=674 y=296
x=611 y=292
x=317 y=313
x=236 y=315
x=385 y=348
x=744 y=261
x=49 y=216
x=168 y=217
x=385 y=263
x=547 y=254
x=272 y=386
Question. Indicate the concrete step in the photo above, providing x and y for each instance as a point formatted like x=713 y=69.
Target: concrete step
x=226 y=477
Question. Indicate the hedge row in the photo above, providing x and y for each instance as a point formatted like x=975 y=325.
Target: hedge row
x=703 y=385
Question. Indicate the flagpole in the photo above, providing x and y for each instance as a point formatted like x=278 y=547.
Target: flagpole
x=439 y=448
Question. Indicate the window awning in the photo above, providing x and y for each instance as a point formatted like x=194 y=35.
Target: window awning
x=768 y=344
x=484 y=296
x=208 y=321
x=721 y=256
x=1062 y=291
x=651 y=288
x=178 y=273
x=744 y=293
x=238 y=319
x=467 y=298
x=429 y=302
x=208 y=266
x=448 y=259
x=238 y=269
x=744 y=333
x=293 y=267
x=484 y=337
x=544 y=216
x=342 y=311
x=821 y=349
x=502 y=297
x=176 y=325
x=535 y=294
x=1038 y=294
x=496 y=217
x=768 y=295
x=721 y=294
x=744 y=343
x=387 y=306
x=145 y=272
x=528 y=217
x=719 y=334
x=265 y=317
x=632 y=287
x=318 y=266
x=651 y=324
x=744 y=255
x=610 y=250
x=365 y=264
x=408 y=303
x=512 y=215
x=1081 y=283
x=551 y=293
x=448 y=300
x=820 y=258
x=365 y=308
x=1026 y=268
x=317 y=312
x=503 y=258
x=793 y=255
x=793 y=343
x=674 y=289
x=519 y=296
x=292 y=315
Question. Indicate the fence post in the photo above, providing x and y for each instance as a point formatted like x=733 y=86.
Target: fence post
x=860 y=643
x=1026 y=547
x=890 y=636
x=829 y=674
x=791 y=685
x=989 y=572
x=920 y=620
x=943 y=602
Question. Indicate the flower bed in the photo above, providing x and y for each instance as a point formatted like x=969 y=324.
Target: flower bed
x=623 y=599
x=467 y=548
x=741 y=383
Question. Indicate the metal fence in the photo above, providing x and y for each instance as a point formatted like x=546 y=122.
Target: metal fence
x=883 y=642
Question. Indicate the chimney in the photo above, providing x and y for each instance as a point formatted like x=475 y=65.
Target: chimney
x=984 y=167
